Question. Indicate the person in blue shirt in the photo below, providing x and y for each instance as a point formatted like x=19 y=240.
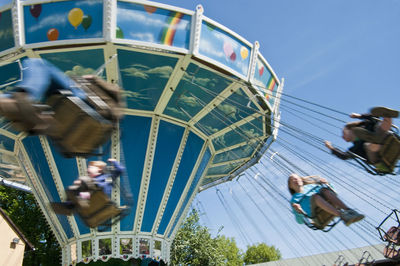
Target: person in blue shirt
x=103 y=176
x=307 y=193
x=28 y=105
x=100 y=176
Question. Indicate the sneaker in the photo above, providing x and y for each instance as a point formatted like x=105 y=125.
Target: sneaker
x=350 y=216
x=384 y=112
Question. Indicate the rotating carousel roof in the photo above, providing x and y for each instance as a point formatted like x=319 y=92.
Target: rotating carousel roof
x=202 y=102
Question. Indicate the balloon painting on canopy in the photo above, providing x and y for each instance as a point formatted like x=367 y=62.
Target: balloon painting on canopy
x=84 y=20
x=52 y=34
x=36 y=10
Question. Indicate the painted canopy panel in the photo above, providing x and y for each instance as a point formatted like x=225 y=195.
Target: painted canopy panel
x=41 y=167
x=266 y=82
x=9 y=73
x=168 y=142
x=224 y=48
x=6 y=30
x=134 y=143
x=77 y=63
x=228 y=112
x=204 y=162
x=243 y=133
x=222 y=169
x=197 y=88
x=152 y=24
x=186 y=166
x=144 y=77
x=68 y=171
x=234 y=154
x=63 y=21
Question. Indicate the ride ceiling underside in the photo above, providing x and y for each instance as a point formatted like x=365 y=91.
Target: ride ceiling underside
x=201 y=107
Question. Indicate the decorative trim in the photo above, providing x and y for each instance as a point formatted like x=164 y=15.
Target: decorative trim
x=186 y=190
x=57 y=180
x=144 y=186
x=171 y=180
x=172 y=83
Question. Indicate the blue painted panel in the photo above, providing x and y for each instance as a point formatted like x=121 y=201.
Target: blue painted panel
x=9 y=73
x=197 y=88
x=223 y=169
x=63 y=20
x=6 y=30
x=236 y=107
x=267 y=85
x=234 y=154
x=68 y=170
x=188 y=161
x=77 y=63
x=168 y=141
x=6 y=143
x=144 y=77
x=39 y=162
x=135 y=135
x=243 y=133
x=152 y=24
x=221 y=46
x=199 y=174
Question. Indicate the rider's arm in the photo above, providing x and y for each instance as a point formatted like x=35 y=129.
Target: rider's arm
x=116 y=168
x=344 y=155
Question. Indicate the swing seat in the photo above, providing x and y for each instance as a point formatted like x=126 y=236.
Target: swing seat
x=98 y=210
x=321 y=218
x=391 y=252
x=392 y=235
x=104 y=97
x=389 y=154
x=78 y=128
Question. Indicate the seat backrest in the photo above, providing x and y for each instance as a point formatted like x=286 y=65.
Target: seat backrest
x=393 y=235
x=390 y=151
x=322 y=218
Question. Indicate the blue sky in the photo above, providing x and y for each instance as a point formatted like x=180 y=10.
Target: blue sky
x=342 y=54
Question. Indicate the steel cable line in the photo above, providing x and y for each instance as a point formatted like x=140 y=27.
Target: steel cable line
x=286 y=109
x=366 y=240
x=325 y=170
x=245 y=238
x=329 y=173
x=277 y=200
x=307 y=233
x=264 y=88
x=203 y=210
x=293 y=233
x=287 y=243
x=246 y=214
x=223 y=121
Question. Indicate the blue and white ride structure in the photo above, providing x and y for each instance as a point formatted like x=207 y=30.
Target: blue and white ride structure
x=202 y=106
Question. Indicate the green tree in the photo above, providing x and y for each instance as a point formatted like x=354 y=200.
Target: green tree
x=21 y=207
x=232 y=254
x=193 y=244
x=259 y=253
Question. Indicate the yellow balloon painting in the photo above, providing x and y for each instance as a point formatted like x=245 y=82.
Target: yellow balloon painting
x=75 y=17
x=244 y=52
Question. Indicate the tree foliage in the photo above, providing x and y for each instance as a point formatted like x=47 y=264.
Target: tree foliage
x=193 y=245
x=259 y=253
x=23 y=210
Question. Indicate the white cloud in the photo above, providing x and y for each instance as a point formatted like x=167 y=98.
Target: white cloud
x=145 y=37
x=56 y=19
